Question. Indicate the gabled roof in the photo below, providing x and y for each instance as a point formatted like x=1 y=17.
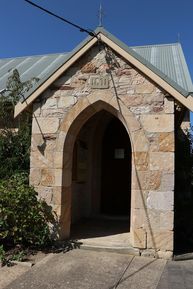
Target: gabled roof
x=168 y=58
x=165 y=64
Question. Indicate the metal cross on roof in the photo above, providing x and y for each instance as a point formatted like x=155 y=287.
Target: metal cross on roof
x=101 y=15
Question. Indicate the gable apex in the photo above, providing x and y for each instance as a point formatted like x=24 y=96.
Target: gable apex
x=128 y=53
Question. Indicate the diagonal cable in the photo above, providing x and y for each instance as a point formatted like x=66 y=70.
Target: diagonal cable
x=90 y=32
x=123 y=273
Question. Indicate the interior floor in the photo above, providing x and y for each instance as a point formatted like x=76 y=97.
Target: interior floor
x=102 y=231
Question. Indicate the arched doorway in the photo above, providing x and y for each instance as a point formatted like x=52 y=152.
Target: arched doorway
x=101 y=170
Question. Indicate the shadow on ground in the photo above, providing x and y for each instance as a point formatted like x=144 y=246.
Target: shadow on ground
x=99 y=227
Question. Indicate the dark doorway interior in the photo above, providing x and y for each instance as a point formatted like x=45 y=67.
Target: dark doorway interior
x=101 y=179
x=116 y=170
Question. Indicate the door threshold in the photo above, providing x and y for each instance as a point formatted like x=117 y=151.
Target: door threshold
x=115 y=249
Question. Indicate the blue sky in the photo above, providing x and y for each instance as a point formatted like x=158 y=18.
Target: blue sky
x=24 y=30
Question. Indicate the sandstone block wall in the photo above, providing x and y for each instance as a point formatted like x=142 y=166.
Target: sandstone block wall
x=148 y=115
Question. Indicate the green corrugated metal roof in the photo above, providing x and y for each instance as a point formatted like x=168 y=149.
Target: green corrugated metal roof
x=166 y=60
x=169 y=59
x=30 y=66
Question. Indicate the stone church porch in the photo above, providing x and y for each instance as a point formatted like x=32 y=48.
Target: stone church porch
x=103 y=143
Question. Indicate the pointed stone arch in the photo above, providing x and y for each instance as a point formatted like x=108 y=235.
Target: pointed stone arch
x=74 y=120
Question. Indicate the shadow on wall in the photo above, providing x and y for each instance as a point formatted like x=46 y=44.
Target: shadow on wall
x=183 y=202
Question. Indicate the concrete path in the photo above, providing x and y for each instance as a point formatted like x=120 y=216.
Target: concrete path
x=82 y=269
x=10 y=274
x=177 y=275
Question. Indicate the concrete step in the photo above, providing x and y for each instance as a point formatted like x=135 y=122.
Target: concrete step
x=116 y=249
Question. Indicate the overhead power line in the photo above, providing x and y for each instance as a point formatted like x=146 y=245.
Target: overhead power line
x=90 y=32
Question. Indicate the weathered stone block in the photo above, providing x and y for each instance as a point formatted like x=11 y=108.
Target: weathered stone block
x=153 y=219
x=160 y=200
x=167 y=220
x=145 y=88
x=60 y=141
x=35 y=176
x=104 y=67
x=132 y=100
x=153 y=141
x=162 y=240
x=138 y=238
x=57 y=196
x=125 y=79
x=157 y=107
x=140 y=141
x=50 y=157
x=53 y=113
x=139 y=199
x=141 y=109
x=89 y=68
x=48 y=177
x=76 y=110
x=58 y=160
x=58 y=177
x=154 y=99
x=123 y=71
x=51 y=143
x=159 y=220
x=167 y=182
x=166 y=142
x=168 y=105
x=45 y=125
x=141 y=160
x=37 y=160
x=158 y=123
x=162 y=161
x=132 y=123
x=67 y=101
x=80 y=92
x=167 y=255
x=50 y=103
x=138 y=79
x=149 y=253
x=148 y=180
x=138 y=218
x=45 y=193
x=36 y=140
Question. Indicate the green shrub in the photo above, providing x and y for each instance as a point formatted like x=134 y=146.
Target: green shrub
x=14 y=151
x=23 y=218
